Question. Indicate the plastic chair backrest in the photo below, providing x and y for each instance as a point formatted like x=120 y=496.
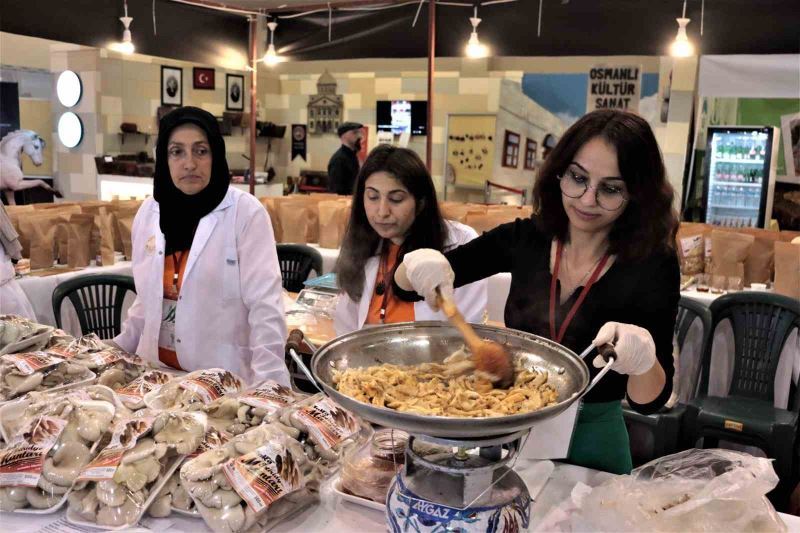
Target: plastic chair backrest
x=97 y=300
x=761 y=323
x=690 y=310
x=296 y=262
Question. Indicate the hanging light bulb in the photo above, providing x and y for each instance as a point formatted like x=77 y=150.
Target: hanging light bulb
x=474 y=48
x=682 y=46
x=126 y=46
x=271 y=57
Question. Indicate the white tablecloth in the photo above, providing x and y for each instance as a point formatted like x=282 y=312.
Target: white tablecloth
x=333 y=515
x=39 y=291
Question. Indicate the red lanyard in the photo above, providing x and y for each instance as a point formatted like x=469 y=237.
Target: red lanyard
x=177 y=261
x=386 y=281
x=596 y=274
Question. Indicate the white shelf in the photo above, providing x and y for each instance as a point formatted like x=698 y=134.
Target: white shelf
x=751 y=161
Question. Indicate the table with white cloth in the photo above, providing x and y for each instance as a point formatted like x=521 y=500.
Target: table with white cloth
x=39 y=290
x=333 y=515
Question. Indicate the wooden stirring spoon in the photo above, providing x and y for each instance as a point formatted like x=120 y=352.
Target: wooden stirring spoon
x=489 y=357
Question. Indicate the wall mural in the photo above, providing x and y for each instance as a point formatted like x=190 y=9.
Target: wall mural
x=470 y=148
x=326 y=108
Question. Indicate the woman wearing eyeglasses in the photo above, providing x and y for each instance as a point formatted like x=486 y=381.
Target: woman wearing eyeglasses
x=595 y=264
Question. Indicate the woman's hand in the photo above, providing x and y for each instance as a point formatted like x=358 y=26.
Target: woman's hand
x=636 y=351
x=425 y=271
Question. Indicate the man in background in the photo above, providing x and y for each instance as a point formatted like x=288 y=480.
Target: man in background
x=343 y=165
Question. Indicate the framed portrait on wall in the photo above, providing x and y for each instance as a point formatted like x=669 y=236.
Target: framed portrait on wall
x=171 y=85
x=234 y=92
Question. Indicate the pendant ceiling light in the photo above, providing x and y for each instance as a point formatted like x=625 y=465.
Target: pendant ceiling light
x=682 y=46
x=271 y=57
x=474 y=48
x=126 y=45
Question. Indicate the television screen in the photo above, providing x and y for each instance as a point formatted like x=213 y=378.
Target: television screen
x=398 y=116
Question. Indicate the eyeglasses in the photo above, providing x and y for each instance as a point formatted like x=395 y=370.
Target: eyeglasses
x=608 y=197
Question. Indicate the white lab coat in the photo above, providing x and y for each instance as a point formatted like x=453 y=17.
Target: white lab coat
x=12 y=300
x=470 y=299
x=230 y=309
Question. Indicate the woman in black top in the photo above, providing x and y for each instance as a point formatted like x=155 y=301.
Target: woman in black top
x=595 y=264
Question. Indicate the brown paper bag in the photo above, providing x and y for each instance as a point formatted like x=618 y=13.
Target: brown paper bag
x=295 y=221
x=729 y=252
x=103 y=222
x=787 y=269
x=271 y=205
x=333 y=215
x=491 y=218
x=125 y=226
x=789 y=236
x=119 y=212
x=690 y=242
x=41 y=232
x=79 y=240
x=15 y=212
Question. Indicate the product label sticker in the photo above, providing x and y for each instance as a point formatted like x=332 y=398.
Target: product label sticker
x=28 y=363
x=270 y=395
x=22 y=462
x=134 y=391
x=124 y=437
x=264 y=475
x=328 y=424
x=212 y=440
x=212 y=384
x=692 y=245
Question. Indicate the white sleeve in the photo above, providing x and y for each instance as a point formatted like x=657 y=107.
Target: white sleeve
x=471 y=299
x=132 y=327
x=345 y=318
x=262 y=292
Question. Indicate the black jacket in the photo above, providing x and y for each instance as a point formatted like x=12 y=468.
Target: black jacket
x=342 y=171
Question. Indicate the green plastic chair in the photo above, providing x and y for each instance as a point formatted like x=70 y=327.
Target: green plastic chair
x=296 y=262
x=97 y=300
x=761 y=324
x=663 y=428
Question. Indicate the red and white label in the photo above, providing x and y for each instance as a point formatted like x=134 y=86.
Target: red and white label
x=328 y=424
x=22 y=462
x=270 y=395
x=212 y=440
x=125 y=435
x=28 y=363
x=134 y=391
x=212 y=384
x=264 y=476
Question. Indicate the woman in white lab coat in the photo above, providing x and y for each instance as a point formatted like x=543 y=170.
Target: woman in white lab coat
x=12 y=300
x=204 y=263
x=395 y=212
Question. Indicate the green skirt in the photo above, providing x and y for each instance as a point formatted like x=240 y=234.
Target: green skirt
x=601 y=440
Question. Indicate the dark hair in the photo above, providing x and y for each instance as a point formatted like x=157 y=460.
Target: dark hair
x=649 y=222
x=361 y=241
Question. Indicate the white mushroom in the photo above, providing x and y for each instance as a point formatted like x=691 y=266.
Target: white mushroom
x=94 y=417
x=42 y=500
x=20 y=384
x=205 y=465
x=111 y=377
x=89 y=505
x=183 y=432
x=51 y=488
x=127 y=475
x=161 y=507
x=181 y=499
x=13 y=498
x=149 y=467
x=142 y=449
x=222 y=499
x=221 y=481
x=118 y=516
x=242 y=413
x=201 y=490
x=66 y=463
x=110 y=493
x=223 y=520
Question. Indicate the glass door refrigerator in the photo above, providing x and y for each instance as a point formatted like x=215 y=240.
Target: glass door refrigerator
x=739 y=179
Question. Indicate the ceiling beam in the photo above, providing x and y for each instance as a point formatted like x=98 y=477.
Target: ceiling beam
x=232 y=7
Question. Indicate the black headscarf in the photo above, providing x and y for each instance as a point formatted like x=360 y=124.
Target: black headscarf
x=181 y=213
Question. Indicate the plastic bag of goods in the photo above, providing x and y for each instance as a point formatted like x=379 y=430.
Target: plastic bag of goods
x=19 y=334
x=253 y=482
x=173 y=496
x=56 y=440
x=325 y=430
x=195 y=390
x=115 y=489
x=235 y=414
x=694 y=490
x=21 y=373
x=114 y=368
x=132 y=395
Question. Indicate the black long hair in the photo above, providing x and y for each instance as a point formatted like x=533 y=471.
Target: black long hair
x=179 y=213
x=649 y=222
x=362 y=242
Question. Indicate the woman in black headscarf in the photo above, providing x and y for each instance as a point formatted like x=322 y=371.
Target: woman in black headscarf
x=204 y=262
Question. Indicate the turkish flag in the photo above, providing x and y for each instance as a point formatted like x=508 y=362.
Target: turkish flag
x=203 y=78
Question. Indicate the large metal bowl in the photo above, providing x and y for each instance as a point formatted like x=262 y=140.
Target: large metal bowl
x=424 y=342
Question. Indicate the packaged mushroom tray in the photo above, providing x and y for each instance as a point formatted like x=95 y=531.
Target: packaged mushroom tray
x=252 y=482
x=117 y=487
x=52 y=438
x=21 y=373
x=195 y=390
x=236 y=413
x=18 y=334
x=114 y=368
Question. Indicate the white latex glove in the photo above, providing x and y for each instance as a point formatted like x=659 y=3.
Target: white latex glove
x=427 y=269
x=636 y=351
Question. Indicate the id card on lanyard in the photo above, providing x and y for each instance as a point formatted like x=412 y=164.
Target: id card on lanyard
x=552 y=438
x=169 y=304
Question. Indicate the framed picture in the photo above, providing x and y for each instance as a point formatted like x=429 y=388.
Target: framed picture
x=171 y=85
x=203 y=78
x=790 y=132
x=511 y=149
x=234 y=92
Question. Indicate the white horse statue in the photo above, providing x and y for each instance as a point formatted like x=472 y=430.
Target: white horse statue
x=11 y=148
